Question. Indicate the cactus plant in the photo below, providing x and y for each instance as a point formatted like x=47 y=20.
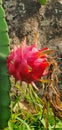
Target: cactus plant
x=4 y=78
x=42 y=1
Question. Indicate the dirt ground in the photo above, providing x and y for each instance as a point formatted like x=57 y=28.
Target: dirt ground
x=26 y=17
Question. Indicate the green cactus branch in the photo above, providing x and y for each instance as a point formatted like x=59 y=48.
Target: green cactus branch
x=42 y=1
x=4 y=78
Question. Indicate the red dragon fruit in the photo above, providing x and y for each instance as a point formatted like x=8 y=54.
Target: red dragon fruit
x=27 y=63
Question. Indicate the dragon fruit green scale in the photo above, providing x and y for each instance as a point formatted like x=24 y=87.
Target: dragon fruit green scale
x=27 y=63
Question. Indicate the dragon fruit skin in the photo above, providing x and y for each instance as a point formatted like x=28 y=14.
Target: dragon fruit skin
x=27 y=63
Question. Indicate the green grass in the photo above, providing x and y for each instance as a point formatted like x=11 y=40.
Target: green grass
x=27 y=111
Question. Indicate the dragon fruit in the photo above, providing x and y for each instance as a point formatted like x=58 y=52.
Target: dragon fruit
x=27 y=63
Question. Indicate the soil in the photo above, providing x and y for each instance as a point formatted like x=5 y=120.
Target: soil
x=26 y=17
